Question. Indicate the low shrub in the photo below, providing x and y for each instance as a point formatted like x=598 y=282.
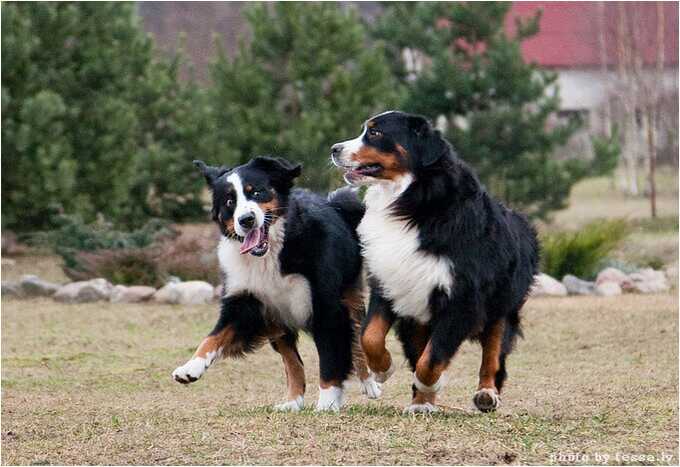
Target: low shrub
x=135 y=266
x=581 y=252
x=146 y=256
x=191 y=259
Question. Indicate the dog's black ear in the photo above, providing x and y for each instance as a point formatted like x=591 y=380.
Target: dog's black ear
x=209 y=172
x=278 y=168
x=430 y=144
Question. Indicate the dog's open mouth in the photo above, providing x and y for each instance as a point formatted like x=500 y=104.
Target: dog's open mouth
x=256 y=242
x=363 y=170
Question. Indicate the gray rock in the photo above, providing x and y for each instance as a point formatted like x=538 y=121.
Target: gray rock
x=8 y=262
x=132 y=294
x=608 y=289
x=173 y=280
x=219 y=291
x=185 y=293
x=546 y=286
x=576 y=286
x=649 y=281
x=11 y=289
x=85 y=291
x=614 y=275
x=33 y=286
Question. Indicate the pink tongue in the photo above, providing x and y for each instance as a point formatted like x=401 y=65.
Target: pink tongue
x=251 y=241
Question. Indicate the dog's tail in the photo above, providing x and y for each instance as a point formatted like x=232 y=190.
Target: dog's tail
x=349 y=206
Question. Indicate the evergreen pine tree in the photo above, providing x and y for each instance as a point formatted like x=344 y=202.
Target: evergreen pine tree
x=91 y=122
x=306 y=78
x=499 y=110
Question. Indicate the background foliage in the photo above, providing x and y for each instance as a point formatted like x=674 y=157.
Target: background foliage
x=308 y=78
x=92 y=122
x=95 y=122
x=499 y=111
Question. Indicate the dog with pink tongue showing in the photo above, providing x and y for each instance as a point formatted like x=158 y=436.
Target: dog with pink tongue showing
x=291 y=260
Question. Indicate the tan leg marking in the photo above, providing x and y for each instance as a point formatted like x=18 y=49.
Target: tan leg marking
x=491 y=350
x=215 y=344
x=295 y=371
x=429 y=373
x=373 y=342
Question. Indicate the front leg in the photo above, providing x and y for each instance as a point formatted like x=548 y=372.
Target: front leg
x=454 y=321
x=240 y=328
x=377 y=324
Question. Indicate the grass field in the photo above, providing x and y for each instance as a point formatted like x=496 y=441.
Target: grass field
x=90 y=384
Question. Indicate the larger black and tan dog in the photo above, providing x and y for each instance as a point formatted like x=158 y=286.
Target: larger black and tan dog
x=446 y=261
x=292 y=262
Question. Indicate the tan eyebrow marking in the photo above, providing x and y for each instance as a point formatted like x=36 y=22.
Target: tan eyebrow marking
x=248 y=188
x=370 y=124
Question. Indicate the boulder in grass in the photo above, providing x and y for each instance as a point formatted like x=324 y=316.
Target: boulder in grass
x=576 y=286
x=219 y=291
x=33 y=286
x=614 y=275
x=84 y=292
x=131 y=294
x=185 y=293
x=11 y=289
x=608 y=289
x=649 y=281
x=546 y=286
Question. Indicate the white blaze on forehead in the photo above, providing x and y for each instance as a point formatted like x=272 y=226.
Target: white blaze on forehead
x=244 y=205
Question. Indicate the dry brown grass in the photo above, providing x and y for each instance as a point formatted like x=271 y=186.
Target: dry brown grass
x=90 y=384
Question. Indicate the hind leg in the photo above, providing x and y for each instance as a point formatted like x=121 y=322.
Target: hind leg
x=333 y=334
x=487 y=397
x=286 y=346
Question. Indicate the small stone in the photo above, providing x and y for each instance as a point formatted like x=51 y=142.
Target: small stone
x=544 y=285
x=33 y=286
x=608 y=289
x=649 y=281
x=219 y=291
x=613 y=275
x=576 y=286
x=85 y=291
x=132 y=294
x=11 y=289
x=185 y=293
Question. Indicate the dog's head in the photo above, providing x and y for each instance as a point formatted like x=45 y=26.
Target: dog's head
x=248 y=199
x=391 y=145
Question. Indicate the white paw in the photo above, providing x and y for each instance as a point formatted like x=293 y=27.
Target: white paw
x=190 y=371
x=295 y=405
x=330 y=399
x=370 y=387
x=382 y=376
x=425 y=408
x=486 y=400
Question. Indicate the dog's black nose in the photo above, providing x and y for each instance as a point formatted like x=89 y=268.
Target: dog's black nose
x=336 y=149
x=247 y=220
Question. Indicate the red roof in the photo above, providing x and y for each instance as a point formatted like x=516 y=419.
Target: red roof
x=570 y=31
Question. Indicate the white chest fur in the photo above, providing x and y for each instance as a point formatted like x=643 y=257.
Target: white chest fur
x=390 y=249
x=288 y=298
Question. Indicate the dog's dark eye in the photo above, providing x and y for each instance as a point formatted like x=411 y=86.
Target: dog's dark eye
x=374 y=132
x=256 y=193
x=230 y=202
